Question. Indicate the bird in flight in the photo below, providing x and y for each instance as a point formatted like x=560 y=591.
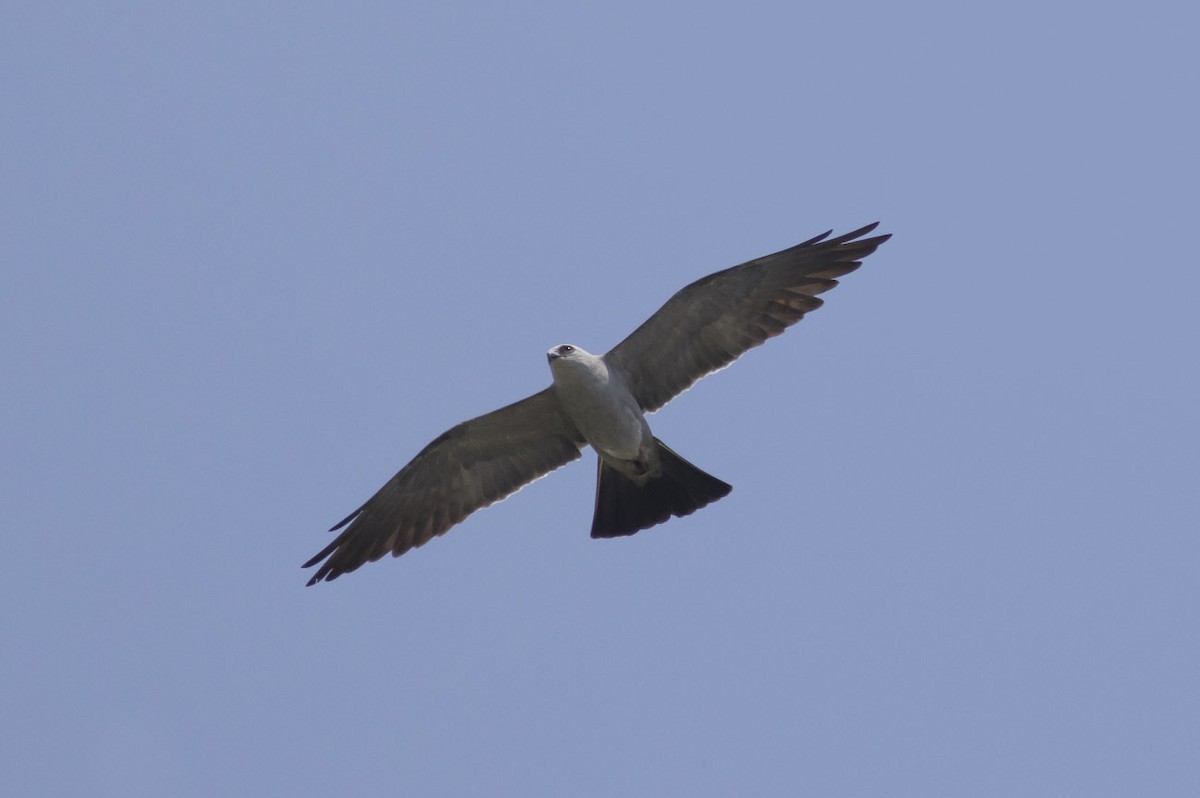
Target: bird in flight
x=601 y=401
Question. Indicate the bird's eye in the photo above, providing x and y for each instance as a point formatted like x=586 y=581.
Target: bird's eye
x=566 y=349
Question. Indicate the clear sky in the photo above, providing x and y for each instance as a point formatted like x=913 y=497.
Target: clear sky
x=255 y=256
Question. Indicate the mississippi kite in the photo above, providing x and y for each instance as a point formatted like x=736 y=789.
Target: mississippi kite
x=601 y=401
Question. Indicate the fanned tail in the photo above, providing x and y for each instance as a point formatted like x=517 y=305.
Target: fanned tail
x=623 y=507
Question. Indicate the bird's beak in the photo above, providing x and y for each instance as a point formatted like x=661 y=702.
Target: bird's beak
x=552 y=356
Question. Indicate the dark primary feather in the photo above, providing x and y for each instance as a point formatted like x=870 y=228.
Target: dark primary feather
x=488 y=458
x=710 y=323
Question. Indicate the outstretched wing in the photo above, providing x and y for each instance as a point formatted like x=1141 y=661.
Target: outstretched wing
x=710 y=323
x=468 y=467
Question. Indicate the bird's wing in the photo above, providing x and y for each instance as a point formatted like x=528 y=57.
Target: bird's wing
x=711 y=322
x=468 y=467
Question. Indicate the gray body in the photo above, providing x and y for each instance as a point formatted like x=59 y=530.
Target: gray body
x=604 y=410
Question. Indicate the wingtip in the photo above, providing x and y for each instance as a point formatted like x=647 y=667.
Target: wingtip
x=816 y=239
x=855 y=235
x=825 y=241
x=346 y=520
x=322 y=574
x=871 y=229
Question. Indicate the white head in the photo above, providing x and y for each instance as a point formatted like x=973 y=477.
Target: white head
x=564 y=351
x=572 y=358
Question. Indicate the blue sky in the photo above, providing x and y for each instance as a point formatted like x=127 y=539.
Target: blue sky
x=256 y=257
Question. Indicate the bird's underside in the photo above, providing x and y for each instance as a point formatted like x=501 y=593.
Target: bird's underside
x=601 y=400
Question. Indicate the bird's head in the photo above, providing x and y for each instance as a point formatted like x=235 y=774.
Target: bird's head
x=564 y=351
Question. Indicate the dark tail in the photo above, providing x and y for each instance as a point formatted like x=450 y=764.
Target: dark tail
x=624 y=507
